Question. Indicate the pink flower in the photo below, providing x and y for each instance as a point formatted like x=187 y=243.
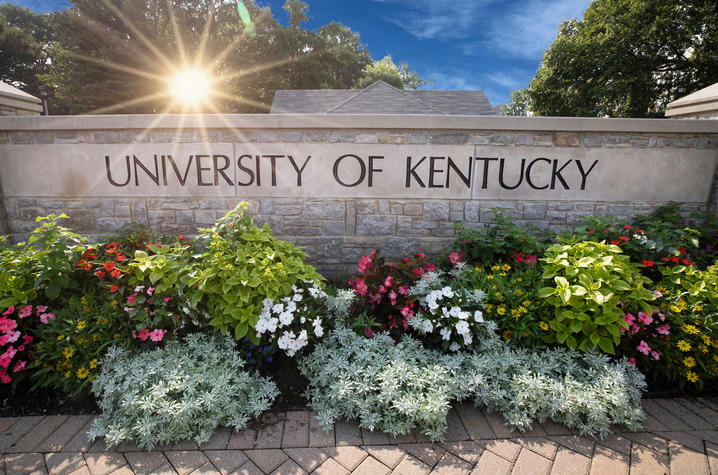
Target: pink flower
x=388 y=281
x=392 y=297
x=364 y=264
x=5 y=377
x=143 y=334
x=518 y=257
x=664 y=329
x=369 y=332
x=10 y=310
x=629 y=318
x=656 y=355
x=531 y=260
x=132 y=298
x=7 y=324
x=46 y=316
x=26 y=311
x=4 y=340
x=407 y=312
x=19 y=366
x=157 y=335
x=404 y=290
x=361 y=287
x=431 y=267
x=128 y=309
x=12 y=337
x=28 y=339
x=420 y=255
x=661 y=317
x=167 y=299
x=374 y=298
x=657 y=294
x=150 y=290
x=632 y=361
x=454 y=258
x=40 y=309
x=645 y=318
x=381 y=289
x=643 y=347
x=635 y=329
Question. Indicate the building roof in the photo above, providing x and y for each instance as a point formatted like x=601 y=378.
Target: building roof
x=380 y=98
x=14 y=97
x=700 y=102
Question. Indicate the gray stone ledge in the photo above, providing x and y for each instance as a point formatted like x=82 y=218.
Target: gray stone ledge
x=359 y=121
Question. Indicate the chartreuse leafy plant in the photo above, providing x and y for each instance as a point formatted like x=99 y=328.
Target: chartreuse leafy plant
x=243 y=265
x=591 y=286
x=183 y=391
x=40 y=267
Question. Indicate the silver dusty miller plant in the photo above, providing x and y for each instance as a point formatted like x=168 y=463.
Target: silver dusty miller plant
x=183 y=391
x=403 y=387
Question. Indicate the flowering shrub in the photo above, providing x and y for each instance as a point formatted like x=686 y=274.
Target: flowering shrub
x=290 y=323
x=511 y=298
x=243 y=265
x=382 y=290
x=397 y=388
x=449 y=308
x=41 y=267
x=183 y=391
x=498 y=242
x=15 y=342
x=594 y=286
x=71 y=343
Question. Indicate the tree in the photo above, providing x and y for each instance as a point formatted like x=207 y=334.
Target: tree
x=385 y=69
x=115 y=56
x=628 y=58
x=23 y=37
x=519 y=105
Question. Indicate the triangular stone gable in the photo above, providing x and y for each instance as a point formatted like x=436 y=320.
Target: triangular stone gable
x=382 y=98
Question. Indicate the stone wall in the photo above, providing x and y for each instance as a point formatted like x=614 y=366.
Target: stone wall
x=336 y=231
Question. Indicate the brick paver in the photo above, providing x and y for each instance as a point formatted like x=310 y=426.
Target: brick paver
x=680 y=437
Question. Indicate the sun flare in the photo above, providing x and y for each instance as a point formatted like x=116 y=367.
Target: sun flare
x=191 y=87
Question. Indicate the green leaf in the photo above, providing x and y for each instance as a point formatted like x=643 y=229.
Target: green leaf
x=545 y=292
x=561 y=282
x=52 y=291
x=154 y=277
x=565 y=295
x=606 y=345
x=621 y=285
x=240 y=330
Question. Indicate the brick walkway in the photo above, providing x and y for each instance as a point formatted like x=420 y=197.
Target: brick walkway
x=680 y=437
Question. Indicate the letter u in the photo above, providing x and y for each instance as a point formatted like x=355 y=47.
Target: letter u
x=109 y=173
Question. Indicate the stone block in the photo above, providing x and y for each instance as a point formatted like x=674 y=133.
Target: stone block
x=161 y=216
x=414 y=209
x=594 y=140
x=267 y=136
x=291 y=136
x=542 y=140
x=677 y=141
x=341 y=136
x=564 y=139
x=122 y=211
x=456 y=216
x=523 y=139
x=205 y=216
x=184 y=217
x=535 y=210
x=401 y=246
x=44 y=137
x=333 y=228
x=376 y=225
x=620 y=209
x=417 y=138
x=21 y=138
x=471 y=211
x=315 y=136
x=245 y=136
x=81 y=221
x=481 y=139
x=366 y=207
x=302 y=230
x=366 y=138
x=287 y=209
x=324 y=210
x=211 y=203
x=502 y=139
x=328 y=248
x=436 y=210
x=453 y=138
x=110 y=225
x=389 y=138
x=396 y=208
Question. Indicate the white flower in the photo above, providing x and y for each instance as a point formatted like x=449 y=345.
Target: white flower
x=455 y=311
x=448 y=293
x=318 y=330
x=297 y=297
x=427 y=327
x=291 y=306
x=445 y=333
x=268 y=302
x=302 y=320
x=468 y=339
x=454 y=346
x=139 y=288
x=479 y=316
x=462 y=327
x=278 y=308
x=286 y=318
x=464 y=315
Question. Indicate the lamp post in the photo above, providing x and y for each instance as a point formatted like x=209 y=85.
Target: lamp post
x=43 y=96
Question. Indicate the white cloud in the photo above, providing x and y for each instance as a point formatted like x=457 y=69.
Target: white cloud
x=514 y=80
x=457 y=80
x=522 y=30
x=529 y=29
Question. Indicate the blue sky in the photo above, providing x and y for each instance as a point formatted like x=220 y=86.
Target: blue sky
x=491 y=45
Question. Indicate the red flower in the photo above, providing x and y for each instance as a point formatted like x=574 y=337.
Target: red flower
x=687 y=262
x=665 y=259
x=647 y=263
x=120 y=257
x=109 y=266
x=640 y=231
x=80 y=263
x=615 y=242
x=587 y=232
x=623 y=238
x=675 y=259
x=89 y=254
x=627 y=226
x=116 y=273
x=179 y=238
x=100 y=274
x=683 y=251
x=114 y=288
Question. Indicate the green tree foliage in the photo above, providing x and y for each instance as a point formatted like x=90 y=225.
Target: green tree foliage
x=385 y=69
x=116 y=56
x=22 y=37
x=519 y=105
x=628 y=58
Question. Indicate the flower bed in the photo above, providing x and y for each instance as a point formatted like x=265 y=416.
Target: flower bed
x=534 y=328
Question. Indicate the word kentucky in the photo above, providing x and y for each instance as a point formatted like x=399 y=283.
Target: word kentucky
x=351 y=170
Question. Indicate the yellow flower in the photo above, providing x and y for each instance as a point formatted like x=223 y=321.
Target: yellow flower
x=543 y=326
x=93 y=363
x=519 y=292
x=83 y=299
x=692 y=377
x=95 y=337
x=490 y=277
x=683 y=345
x=495 y=268
x=703 y=348
x=697 y=308
x=526 y=303
x=501 y=309
x=495 y=287
x=67 y=374
x=503 y=274
x=715 y=358
x=663 y=290
x=522 y=309
x=60 y=337
x=498 y=294
x=507 y=335
x=489 y=307
x=690 y=329
x=706 y=339
x=674 y=309
x=82 y=373
x=518 y=279
x=506 y=267
x=689 y=362
x=67 y=353
x=116 y=336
